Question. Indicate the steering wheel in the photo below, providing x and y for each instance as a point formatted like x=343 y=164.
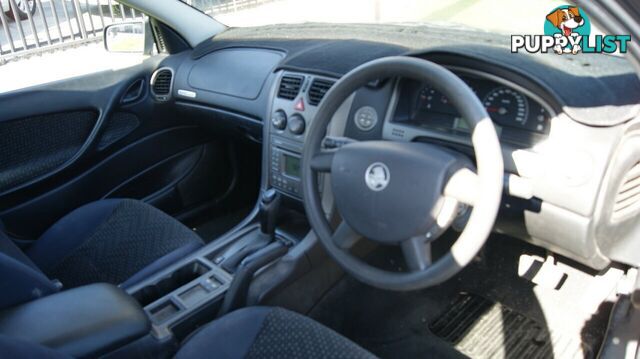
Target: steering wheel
x=404 y=193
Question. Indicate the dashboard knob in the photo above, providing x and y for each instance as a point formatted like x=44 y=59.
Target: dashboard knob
x=296 y=124
x=279 y=120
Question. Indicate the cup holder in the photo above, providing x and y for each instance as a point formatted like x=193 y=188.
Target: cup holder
x=169 y=283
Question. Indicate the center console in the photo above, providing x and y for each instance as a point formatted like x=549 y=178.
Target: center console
x=174 y=297
x=216 y=279
x=294 y=108
x=191 y=292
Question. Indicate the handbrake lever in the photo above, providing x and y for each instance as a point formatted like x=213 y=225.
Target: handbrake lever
x=236 y=296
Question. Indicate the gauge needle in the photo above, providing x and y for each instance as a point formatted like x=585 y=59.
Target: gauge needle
x=499 y=110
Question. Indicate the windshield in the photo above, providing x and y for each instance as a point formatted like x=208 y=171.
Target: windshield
x=502 y=16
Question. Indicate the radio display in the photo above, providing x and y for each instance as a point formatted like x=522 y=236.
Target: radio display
x=291 y=166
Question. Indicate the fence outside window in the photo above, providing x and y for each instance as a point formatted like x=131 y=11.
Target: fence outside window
x=34 y=26
x=214 y=7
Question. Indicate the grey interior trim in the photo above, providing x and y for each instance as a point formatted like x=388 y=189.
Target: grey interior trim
x=336 y=128
x=266 y=130
x=194 y=26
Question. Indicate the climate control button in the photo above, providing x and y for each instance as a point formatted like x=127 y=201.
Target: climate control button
x=279 y=120
x=297 y=124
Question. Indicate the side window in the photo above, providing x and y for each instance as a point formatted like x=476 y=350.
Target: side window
x=43 y=41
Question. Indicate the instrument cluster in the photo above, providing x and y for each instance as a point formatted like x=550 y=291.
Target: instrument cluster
x=518 y=117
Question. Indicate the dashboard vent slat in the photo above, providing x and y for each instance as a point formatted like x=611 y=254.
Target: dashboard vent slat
x=161 y=84
x=318 y=89
x=290 y=87
x=627 y=201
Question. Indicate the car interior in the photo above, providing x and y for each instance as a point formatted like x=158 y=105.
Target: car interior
x=323 y=191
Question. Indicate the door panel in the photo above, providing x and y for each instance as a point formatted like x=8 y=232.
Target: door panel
x=118 y=126
x=35 y=146
x=101 y=136
x=51 y=105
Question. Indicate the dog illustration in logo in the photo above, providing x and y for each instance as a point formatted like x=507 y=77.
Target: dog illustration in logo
x=567 y=20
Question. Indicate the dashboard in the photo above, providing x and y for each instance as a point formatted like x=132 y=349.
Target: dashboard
x=563 y=122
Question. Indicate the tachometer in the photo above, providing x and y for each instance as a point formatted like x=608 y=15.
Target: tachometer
x=507 y=107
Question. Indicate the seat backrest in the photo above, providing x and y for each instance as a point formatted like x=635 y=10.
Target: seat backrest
x=20 y=279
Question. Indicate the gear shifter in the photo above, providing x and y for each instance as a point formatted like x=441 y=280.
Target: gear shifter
x=269 y=205
x=263 y=250
x=268 y=212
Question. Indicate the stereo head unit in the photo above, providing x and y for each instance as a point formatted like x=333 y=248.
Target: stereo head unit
x=285 y=166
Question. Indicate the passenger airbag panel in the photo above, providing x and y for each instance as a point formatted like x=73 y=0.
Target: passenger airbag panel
x=238 y=72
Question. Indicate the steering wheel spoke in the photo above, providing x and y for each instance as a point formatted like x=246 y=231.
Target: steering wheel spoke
x=417 y=253
x=463 y=186
x=345 y=237
x=322 y=162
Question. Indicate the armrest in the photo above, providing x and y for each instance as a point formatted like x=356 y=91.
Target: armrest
x=84 y=321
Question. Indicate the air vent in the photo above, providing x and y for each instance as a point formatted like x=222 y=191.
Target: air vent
x=161 y=83
x=627 y=200
x=318 y=89
x=290 y=87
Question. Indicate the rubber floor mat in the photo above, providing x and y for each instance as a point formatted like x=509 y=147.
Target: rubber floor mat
x=481 y=328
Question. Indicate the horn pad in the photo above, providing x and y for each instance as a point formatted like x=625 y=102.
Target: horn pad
x=390 y=191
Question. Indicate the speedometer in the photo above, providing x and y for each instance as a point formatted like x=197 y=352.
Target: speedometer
x=507 y=107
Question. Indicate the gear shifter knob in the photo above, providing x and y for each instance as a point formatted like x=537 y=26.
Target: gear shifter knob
x=269 y=205
x=268 y=196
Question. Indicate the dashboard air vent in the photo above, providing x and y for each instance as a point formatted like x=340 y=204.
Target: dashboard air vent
x=627 y=200
x=318 y=89
x=161 y=82
x=290 y=87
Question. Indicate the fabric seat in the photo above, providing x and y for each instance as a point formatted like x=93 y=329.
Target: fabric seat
x=255 y=332
x=265 y=332
x=118 y=241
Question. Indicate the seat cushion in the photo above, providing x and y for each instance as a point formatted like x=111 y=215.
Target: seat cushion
x=110 y=241
x=262 y=332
